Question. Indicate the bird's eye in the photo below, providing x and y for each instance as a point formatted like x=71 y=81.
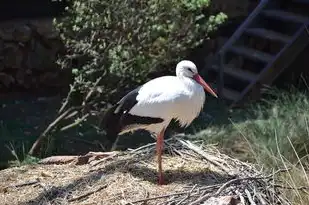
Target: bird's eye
x=190 y=70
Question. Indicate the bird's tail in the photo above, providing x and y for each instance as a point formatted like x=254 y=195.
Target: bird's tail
x=109 y=121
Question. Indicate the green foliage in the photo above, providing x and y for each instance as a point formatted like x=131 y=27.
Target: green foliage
x=272 y=134
x=122 y=41
x=267 y=130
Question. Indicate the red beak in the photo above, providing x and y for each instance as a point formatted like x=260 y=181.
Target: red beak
x=200 y=80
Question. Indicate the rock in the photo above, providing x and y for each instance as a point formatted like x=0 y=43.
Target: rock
x=6 y=34
x=56 y=46
x=6 y=79
x=1 y=47
x=28 y=52
x=40 y=58
x=22 y=33
x=20 y=76
x=45 y=28
x=223 y=200
x=50 y=79
x=1 y=65
x=13 y=55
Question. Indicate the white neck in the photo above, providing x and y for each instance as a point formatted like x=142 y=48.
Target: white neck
x=189 y=83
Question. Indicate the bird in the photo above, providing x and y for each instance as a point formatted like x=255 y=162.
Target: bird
x=153 y=105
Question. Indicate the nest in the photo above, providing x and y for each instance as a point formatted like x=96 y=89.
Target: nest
x=194 y=174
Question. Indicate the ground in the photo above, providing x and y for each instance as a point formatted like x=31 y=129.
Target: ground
x=272 y=135
x=191 y=173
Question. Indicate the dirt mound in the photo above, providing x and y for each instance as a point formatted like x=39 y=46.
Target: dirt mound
x=194 y=175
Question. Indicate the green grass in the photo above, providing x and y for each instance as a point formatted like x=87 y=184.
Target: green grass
x=272 y=134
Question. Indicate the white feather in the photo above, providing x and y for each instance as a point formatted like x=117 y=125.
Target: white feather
x=169 y=97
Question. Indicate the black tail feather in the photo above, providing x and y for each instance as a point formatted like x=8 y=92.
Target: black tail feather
x=110 y=122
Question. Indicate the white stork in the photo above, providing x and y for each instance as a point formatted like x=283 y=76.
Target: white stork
x=153 y=105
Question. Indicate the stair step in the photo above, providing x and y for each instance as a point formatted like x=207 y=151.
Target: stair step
x=285 y=16
x=238 y=73
x=302 y=1
x=251 y=53
x=268 y=34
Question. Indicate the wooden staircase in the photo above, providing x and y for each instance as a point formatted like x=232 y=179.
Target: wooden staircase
x=266 y=43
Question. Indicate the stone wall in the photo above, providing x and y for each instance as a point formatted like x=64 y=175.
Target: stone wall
x=28 y=51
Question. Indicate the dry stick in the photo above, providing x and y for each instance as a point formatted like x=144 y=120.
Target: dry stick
x=104 y=159
x=193 y=147
x=250 y=197
x=188 y=196
x=88 y=193
x=148 y=145
x=64 y=114
x=205 y=197
x=71 y=91
x=53 y=124
x=35 y=181
x=301 y=188
x=77 y=122
x=263 y=202
x=158 y=197
x=142 y=147
x=71 y=115
x=172 y=194
x=50 y=126
x=91 y=90
x=67 y=99
x=242 y=198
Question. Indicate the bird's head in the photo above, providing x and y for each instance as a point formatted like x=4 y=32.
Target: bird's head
x=186 y=68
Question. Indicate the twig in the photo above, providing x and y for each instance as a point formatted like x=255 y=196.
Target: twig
x=142 y=147
x=91 y=90
x=172 y=194
x=302 y=188
x=50 y=126
x=205 y=197
x=71 y=115
x=65 y=103
x=77 y=159
x=88 y=193
x=200 y=152
x=242 y=198
x=250 y=197
x=262 y=201
x=35 y=181
x=188 y=196
x=159 y=197
x=77 y=122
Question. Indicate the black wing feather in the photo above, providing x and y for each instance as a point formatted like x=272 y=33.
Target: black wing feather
x=118 y=117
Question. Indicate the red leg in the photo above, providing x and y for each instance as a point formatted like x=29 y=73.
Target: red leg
x=160 y=140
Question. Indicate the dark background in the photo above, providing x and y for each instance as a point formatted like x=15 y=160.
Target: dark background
x=14 y=9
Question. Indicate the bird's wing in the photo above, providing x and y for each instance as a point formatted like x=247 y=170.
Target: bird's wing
x=128 y=101
x=158 y=97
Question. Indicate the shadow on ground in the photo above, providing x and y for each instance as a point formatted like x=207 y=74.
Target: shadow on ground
x=136 y=170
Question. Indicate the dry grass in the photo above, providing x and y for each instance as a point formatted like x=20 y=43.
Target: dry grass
x=191 y=172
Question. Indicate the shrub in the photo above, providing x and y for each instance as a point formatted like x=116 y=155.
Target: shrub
x=121 y=41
